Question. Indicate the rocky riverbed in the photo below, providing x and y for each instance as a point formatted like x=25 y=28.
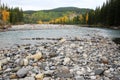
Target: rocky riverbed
x=77 y=58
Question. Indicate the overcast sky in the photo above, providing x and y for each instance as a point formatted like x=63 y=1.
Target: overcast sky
x=50 y=4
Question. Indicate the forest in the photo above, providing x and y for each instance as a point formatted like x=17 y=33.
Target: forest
x=10 y=16
x=54 y=15
x=106 y=15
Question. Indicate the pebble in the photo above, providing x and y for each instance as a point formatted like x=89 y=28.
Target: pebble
x=79 y=78
x=93 y=77
x=25 y=62
x=13 y=76
x=47 y=78
x=39 y=77
x=36 y=56
x=0 y=66
x=96 y=58
x=99 y=72
x=66 y=60
x=22 y=72
x=48 y=72
x=62 y=40
x=104 y=60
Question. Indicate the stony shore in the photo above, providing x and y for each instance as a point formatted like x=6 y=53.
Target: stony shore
x=40 y=27
x=77 y=58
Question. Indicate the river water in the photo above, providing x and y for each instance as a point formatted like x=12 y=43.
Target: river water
x=10 y=38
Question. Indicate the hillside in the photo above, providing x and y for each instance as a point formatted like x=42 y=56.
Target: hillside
x=47 y=15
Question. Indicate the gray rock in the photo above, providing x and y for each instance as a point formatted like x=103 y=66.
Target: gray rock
x=42 y=65
x=22 y=72
x=64 y=75
x=99 y=72
x=53 y=54
x=35 y=70
x=49 y=73
x=27 y=78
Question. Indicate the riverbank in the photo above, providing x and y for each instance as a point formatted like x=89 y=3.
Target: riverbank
x=40 y=27
x=102 y=26
x=75 y=58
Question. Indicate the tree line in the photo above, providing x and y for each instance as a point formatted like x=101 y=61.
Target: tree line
x=71 y=19
x=54 y=16
x=11 y=15
x=106 y=15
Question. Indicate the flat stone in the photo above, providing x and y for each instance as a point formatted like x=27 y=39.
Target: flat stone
x=64 y=69
x=22 y=72
x=79 y=78
x=49 y=73
x=13 y=76
x=63 y=75
x=99 y=72
x=27 y=78
x=53 y=54
x=47 y=78
x=93 y=77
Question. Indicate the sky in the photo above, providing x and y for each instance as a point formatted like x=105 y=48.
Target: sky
x=50 y=4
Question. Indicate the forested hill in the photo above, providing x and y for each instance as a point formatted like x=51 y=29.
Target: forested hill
x=61 y=9
x=47 y=15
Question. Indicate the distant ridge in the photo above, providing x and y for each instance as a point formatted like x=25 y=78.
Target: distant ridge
x=31 y=16
x=61 y=9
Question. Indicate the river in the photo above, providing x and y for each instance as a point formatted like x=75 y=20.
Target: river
x=10 y=38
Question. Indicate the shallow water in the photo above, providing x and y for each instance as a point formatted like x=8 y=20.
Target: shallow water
x=15 y=37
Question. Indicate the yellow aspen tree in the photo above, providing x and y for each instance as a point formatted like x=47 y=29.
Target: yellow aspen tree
x=65 y=19
x=81 y=17
x=5 y=15
x=86 y=18
x=40 y=22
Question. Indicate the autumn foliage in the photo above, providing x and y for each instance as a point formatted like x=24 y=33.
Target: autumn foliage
x=5 y=15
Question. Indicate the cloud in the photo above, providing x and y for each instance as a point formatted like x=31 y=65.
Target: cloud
x=49 y=4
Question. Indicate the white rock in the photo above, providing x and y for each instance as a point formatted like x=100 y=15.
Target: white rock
x=79 y=72
x=62 y=40
x=66 y=60
x=5 y=61
x=85 y=55
x=107 y=73
x=25 y=62
x=93 y=77
x=39 y=76
x=36 y=56
x=88 y=69
x=0 y=66
x=81 y=47
x=47 y=78
x=72 y=45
